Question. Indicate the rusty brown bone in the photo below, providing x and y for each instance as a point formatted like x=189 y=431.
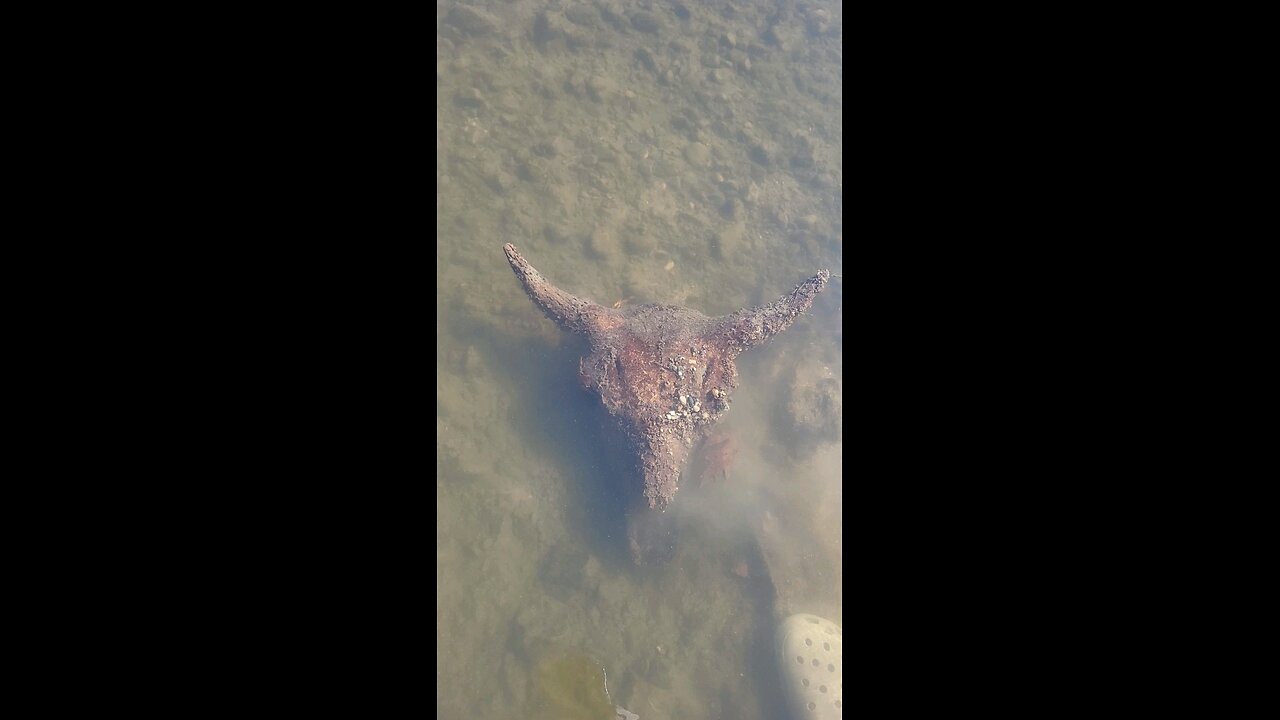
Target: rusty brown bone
x=665 y=372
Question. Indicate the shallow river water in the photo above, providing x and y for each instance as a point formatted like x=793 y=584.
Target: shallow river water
x=682 y=153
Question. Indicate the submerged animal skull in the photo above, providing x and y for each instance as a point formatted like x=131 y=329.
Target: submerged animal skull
x=666 y=373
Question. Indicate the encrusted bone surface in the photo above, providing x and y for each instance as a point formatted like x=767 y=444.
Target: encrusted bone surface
x=665 y=372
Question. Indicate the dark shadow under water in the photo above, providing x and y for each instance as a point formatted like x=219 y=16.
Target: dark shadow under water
x=580 y=439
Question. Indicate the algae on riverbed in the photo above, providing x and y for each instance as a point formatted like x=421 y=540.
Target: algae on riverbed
x=568 y=686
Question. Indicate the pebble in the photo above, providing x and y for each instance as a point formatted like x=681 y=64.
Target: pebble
x=471 y=21
x=697 y=154
x=500 y=180
x=637 y=241
x=646 y=22
x=731 y=208
x=764 y=152
x=554 y=234
x=583 y=15
x=471 y=98
x=602 y=243
x=599 y=87
x=646 y=58
x=728 y=242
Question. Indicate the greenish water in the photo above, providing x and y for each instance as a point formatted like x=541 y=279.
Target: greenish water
x=643 y=152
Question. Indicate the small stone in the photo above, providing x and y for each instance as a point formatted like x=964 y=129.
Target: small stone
x=471 y=98
x=473 y=363
x=646 y=22
x=636 y=241
x=697 y=154
x=554 y=234
x=805 y=157
x=508 y=101
x=500 y=180
x=818 y=23
x=772 y=37
x=646 y=58
x=546 y=29
x=731 y=208
x=815 y=408
x=764 y=152
x=599 y=87
x=611 y=13
x=728 y=242
x=473 y=22
x=602 y=243
x=583 y=15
